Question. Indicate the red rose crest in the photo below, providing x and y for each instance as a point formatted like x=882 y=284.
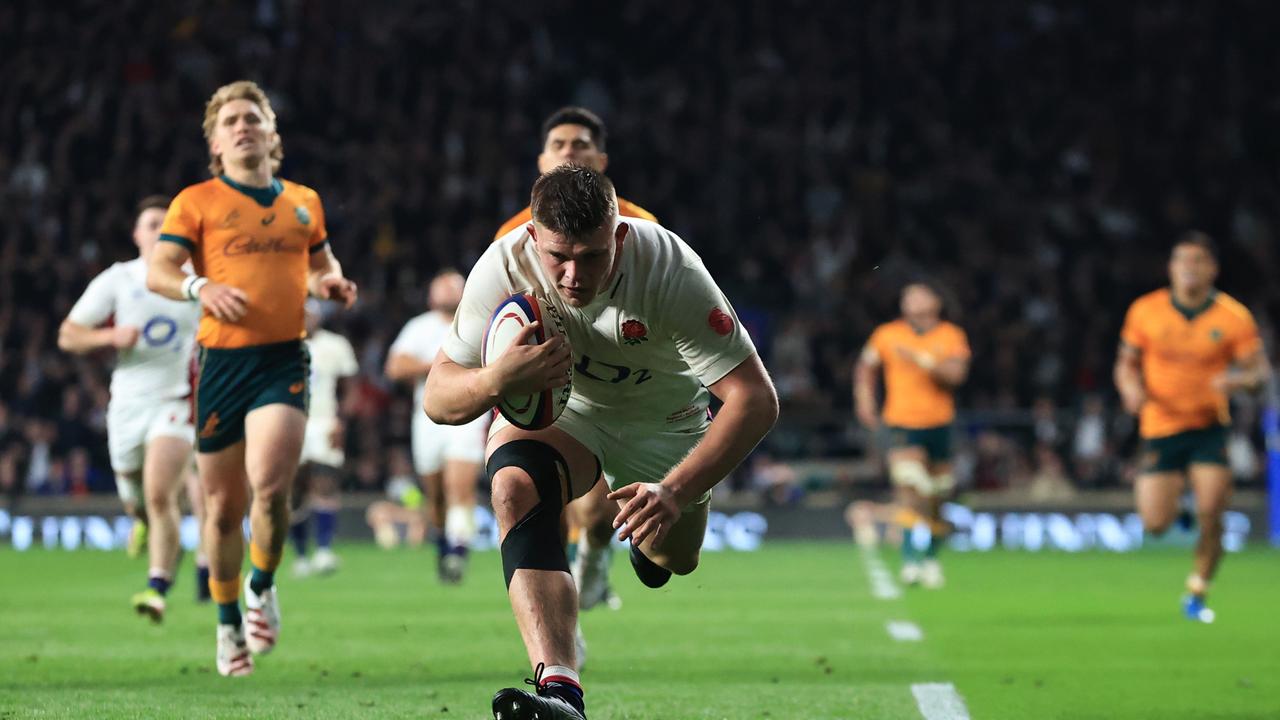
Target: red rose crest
x=634 y=332
x=720 y=321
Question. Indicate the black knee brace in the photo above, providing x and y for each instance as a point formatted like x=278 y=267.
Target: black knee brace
x=534 y=543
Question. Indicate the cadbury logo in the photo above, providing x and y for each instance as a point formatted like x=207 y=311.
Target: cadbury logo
x=250 y=245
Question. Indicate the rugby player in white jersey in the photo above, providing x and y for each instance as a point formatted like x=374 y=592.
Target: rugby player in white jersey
x=315 y=491
x=149 y=419
x=648 y=334
x=448 y=459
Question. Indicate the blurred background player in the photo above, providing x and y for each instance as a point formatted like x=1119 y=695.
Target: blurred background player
x=149 y=422
x=447 y=458
x=576 y=135
x=259 y=247
x=1183 y=350
x=315 y=492
x=924 y=358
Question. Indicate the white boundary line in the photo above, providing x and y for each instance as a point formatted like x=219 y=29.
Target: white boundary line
x=936 y=701
x=882 y=584
x=939 y=701
x=904 y=631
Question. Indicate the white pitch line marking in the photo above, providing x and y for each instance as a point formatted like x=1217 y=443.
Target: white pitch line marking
x=882 y=584
x=939 y=701
x=904 y=631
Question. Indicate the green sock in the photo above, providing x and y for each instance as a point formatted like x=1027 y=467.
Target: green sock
x=261 y=580
x=909 y=552
x=229 y=613
x=931 y=550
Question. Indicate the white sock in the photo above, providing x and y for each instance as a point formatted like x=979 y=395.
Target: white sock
x=560 y=673
x=460 y=525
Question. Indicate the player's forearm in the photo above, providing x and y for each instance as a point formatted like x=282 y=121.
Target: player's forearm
x=326 y=266
x=864 y=390
x=950 y=373
x=1127 y=377
x=738 y=427
x=456 y=395
x=79 y=339
x=166 y=278
x=403 y=368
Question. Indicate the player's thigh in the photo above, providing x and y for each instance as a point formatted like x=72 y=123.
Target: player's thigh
x=1212 y=485
x=168 y=458
x=273 y=445
x=682 y=547
x=594 y=508
x=581 y=463
x=1157 y=495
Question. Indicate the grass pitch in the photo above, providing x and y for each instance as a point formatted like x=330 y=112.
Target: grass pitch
x=789 y=632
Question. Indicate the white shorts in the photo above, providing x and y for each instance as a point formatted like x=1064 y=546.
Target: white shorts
x=434 y=444
x=630 y=454
x=131 y=426
x=316 y=445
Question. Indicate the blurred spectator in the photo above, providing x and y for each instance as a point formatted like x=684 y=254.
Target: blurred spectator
x=1036 y=159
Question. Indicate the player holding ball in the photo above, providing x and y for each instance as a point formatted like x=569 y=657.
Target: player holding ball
x=647 y=334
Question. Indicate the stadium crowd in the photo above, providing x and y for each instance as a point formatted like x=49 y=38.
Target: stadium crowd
x=1035 y=159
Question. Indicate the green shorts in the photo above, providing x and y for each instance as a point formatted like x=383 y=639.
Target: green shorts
x=234 y=381
x=936 y=441
x=1174 y=453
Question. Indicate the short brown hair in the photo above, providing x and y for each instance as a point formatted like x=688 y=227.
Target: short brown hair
x=1199 y=239
x=573 y=115
x=240 y=90
x=157 y=202
x=573 y=200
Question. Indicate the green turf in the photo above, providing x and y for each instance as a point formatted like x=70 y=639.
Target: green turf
x=790 y=632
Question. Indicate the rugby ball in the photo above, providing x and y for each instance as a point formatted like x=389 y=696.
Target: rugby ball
x=539 y=410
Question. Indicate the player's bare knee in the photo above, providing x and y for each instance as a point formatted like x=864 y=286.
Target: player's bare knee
x=1156 y=525
x=513 y=493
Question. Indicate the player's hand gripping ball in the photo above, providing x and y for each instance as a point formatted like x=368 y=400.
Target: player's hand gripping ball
x=551 y=386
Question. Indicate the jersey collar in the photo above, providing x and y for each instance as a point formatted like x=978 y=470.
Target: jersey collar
x=1191 y=313
x=265 y=197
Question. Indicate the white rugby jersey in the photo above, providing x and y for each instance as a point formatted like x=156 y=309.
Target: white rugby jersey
x=158 y=366
x=643 y=349
x=332 y=358
x=421 y=338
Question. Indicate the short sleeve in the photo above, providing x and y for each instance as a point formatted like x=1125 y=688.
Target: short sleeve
x=486 y=287
x=1246 y=341
x=182 y=222
x=320 y=233
x=874 y=352
x=707 y=332
x=408 y=342
x=98 y=302
x=1133 y=333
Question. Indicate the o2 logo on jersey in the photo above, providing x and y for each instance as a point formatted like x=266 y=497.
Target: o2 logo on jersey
x=159 y=330
x=609 y=373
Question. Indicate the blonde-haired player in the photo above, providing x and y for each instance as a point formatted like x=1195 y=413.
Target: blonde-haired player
x=259 y=247
x=1183 y=350
x=924 y=358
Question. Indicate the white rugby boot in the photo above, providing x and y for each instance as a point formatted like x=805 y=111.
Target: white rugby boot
x=261 y=619
x=233 y=658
